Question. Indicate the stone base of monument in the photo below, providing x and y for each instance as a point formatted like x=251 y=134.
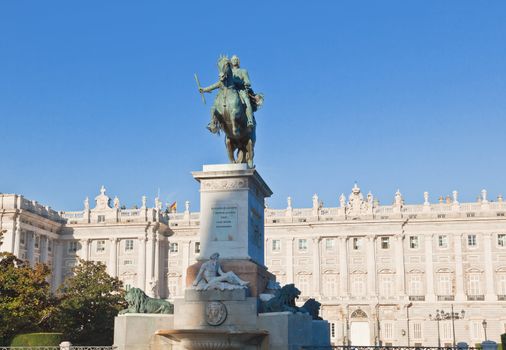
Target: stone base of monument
x=226 y=316
x=137 y=331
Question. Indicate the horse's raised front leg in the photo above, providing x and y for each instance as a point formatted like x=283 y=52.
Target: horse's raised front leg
x=250 y=152
x=230 y=150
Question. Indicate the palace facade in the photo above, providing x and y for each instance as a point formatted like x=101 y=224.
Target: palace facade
x=381 y=272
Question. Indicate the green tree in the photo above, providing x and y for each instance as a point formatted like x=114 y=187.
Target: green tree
x=26 y=303
x=89 y=301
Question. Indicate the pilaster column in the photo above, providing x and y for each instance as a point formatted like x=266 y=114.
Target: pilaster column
x=84 y=252
x=30 y=245
x=150 y=252
x=491 y=294
x=343 y=266
x=17 y=236
x=289 y=260
x=371 y=265
x=185 y=247
x=316 y=266
x=57 y=264
x=429 y=269
x=459 y=272
x=399 y=264
x=141 y=272
x=113 y=256
x=157 y=265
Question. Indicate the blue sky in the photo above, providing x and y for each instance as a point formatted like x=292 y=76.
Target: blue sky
x=391 y=94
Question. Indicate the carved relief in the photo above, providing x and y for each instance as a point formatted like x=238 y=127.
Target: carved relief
x=216 y=313
x=222 y=184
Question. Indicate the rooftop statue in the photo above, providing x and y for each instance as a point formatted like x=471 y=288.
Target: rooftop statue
x=233 y=108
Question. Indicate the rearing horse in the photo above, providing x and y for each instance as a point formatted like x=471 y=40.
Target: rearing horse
x=230 y=113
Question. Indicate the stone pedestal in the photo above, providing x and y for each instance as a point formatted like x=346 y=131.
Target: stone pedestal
x=232 y=212
x=231 y=224
x=137 y=331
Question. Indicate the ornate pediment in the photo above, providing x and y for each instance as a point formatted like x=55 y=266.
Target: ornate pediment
x=102 y=201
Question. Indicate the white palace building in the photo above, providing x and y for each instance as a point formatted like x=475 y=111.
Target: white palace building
x=381 y=272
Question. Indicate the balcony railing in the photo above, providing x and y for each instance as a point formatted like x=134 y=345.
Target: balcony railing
x=501 y=297
x=417 y=298
x=475 y=297
x=445 y=298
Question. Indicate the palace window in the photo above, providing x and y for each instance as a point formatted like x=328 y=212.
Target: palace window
x=417 y=330
x=330 y=285
x=37 y=242
x=476 y=330
x=415 y=285
x=357 y=243
x=474 y=284
x=445 y=284
x=100 y=246
x=72 y=247
x=49 y=245
x=413 y=242
x=501 y=283
x=446 y=330
x=358 y=285
x=304 y=284
x=101 y=218
x=129 y=245
x=197 y=247
x=276 y=245
x=173 y=247
x=501 y=240
x=471 y=240
x=329 y=243
x=443 y=241
x=303 y=244
x=386 y=285
x=128 y=262
x=388 y=330
x=173 y=286
x=385 y=242
x=22 y=239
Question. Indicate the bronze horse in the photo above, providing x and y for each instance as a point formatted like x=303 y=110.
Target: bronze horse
x=230 y=113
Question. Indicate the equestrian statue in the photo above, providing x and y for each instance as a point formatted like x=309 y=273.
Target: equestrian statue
x=233 y=108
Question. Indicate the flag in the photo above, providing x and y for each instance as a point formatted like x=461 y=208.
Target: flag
x=173 y=207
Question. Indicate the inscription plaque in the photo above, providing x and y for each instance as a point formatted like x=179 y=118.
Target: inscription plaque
x=224 y=223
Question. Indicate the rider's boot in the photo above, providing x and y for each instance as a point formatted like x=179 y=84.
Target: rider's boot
x=250 y=122
x=212 y=126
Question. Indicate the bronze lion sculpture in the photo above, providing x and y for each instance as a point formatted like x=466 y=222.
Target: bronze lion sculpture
x=140 y=303
x=284 y=300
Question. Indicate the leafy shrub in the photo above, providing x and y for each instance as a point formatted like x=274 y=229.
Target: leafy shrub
x=37 y=339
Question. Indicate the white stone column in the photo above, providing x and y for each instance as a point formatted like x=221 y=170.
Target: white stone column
x=141 y=272
x=429 y=270
x=343 y=266
x=459 y=272
x=316 y=266
x=399 y=264
x=289 y=260
x=113 y=256
x=157 y=264
x=57 y=264
x=185 y=246
x=83 y=253
x=491 y=294
x=371 y=265
x=16 y=234
x=150 y=252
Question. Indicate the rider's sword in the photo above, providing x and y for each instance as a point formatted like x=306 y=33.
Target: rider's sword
x=198 y=85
